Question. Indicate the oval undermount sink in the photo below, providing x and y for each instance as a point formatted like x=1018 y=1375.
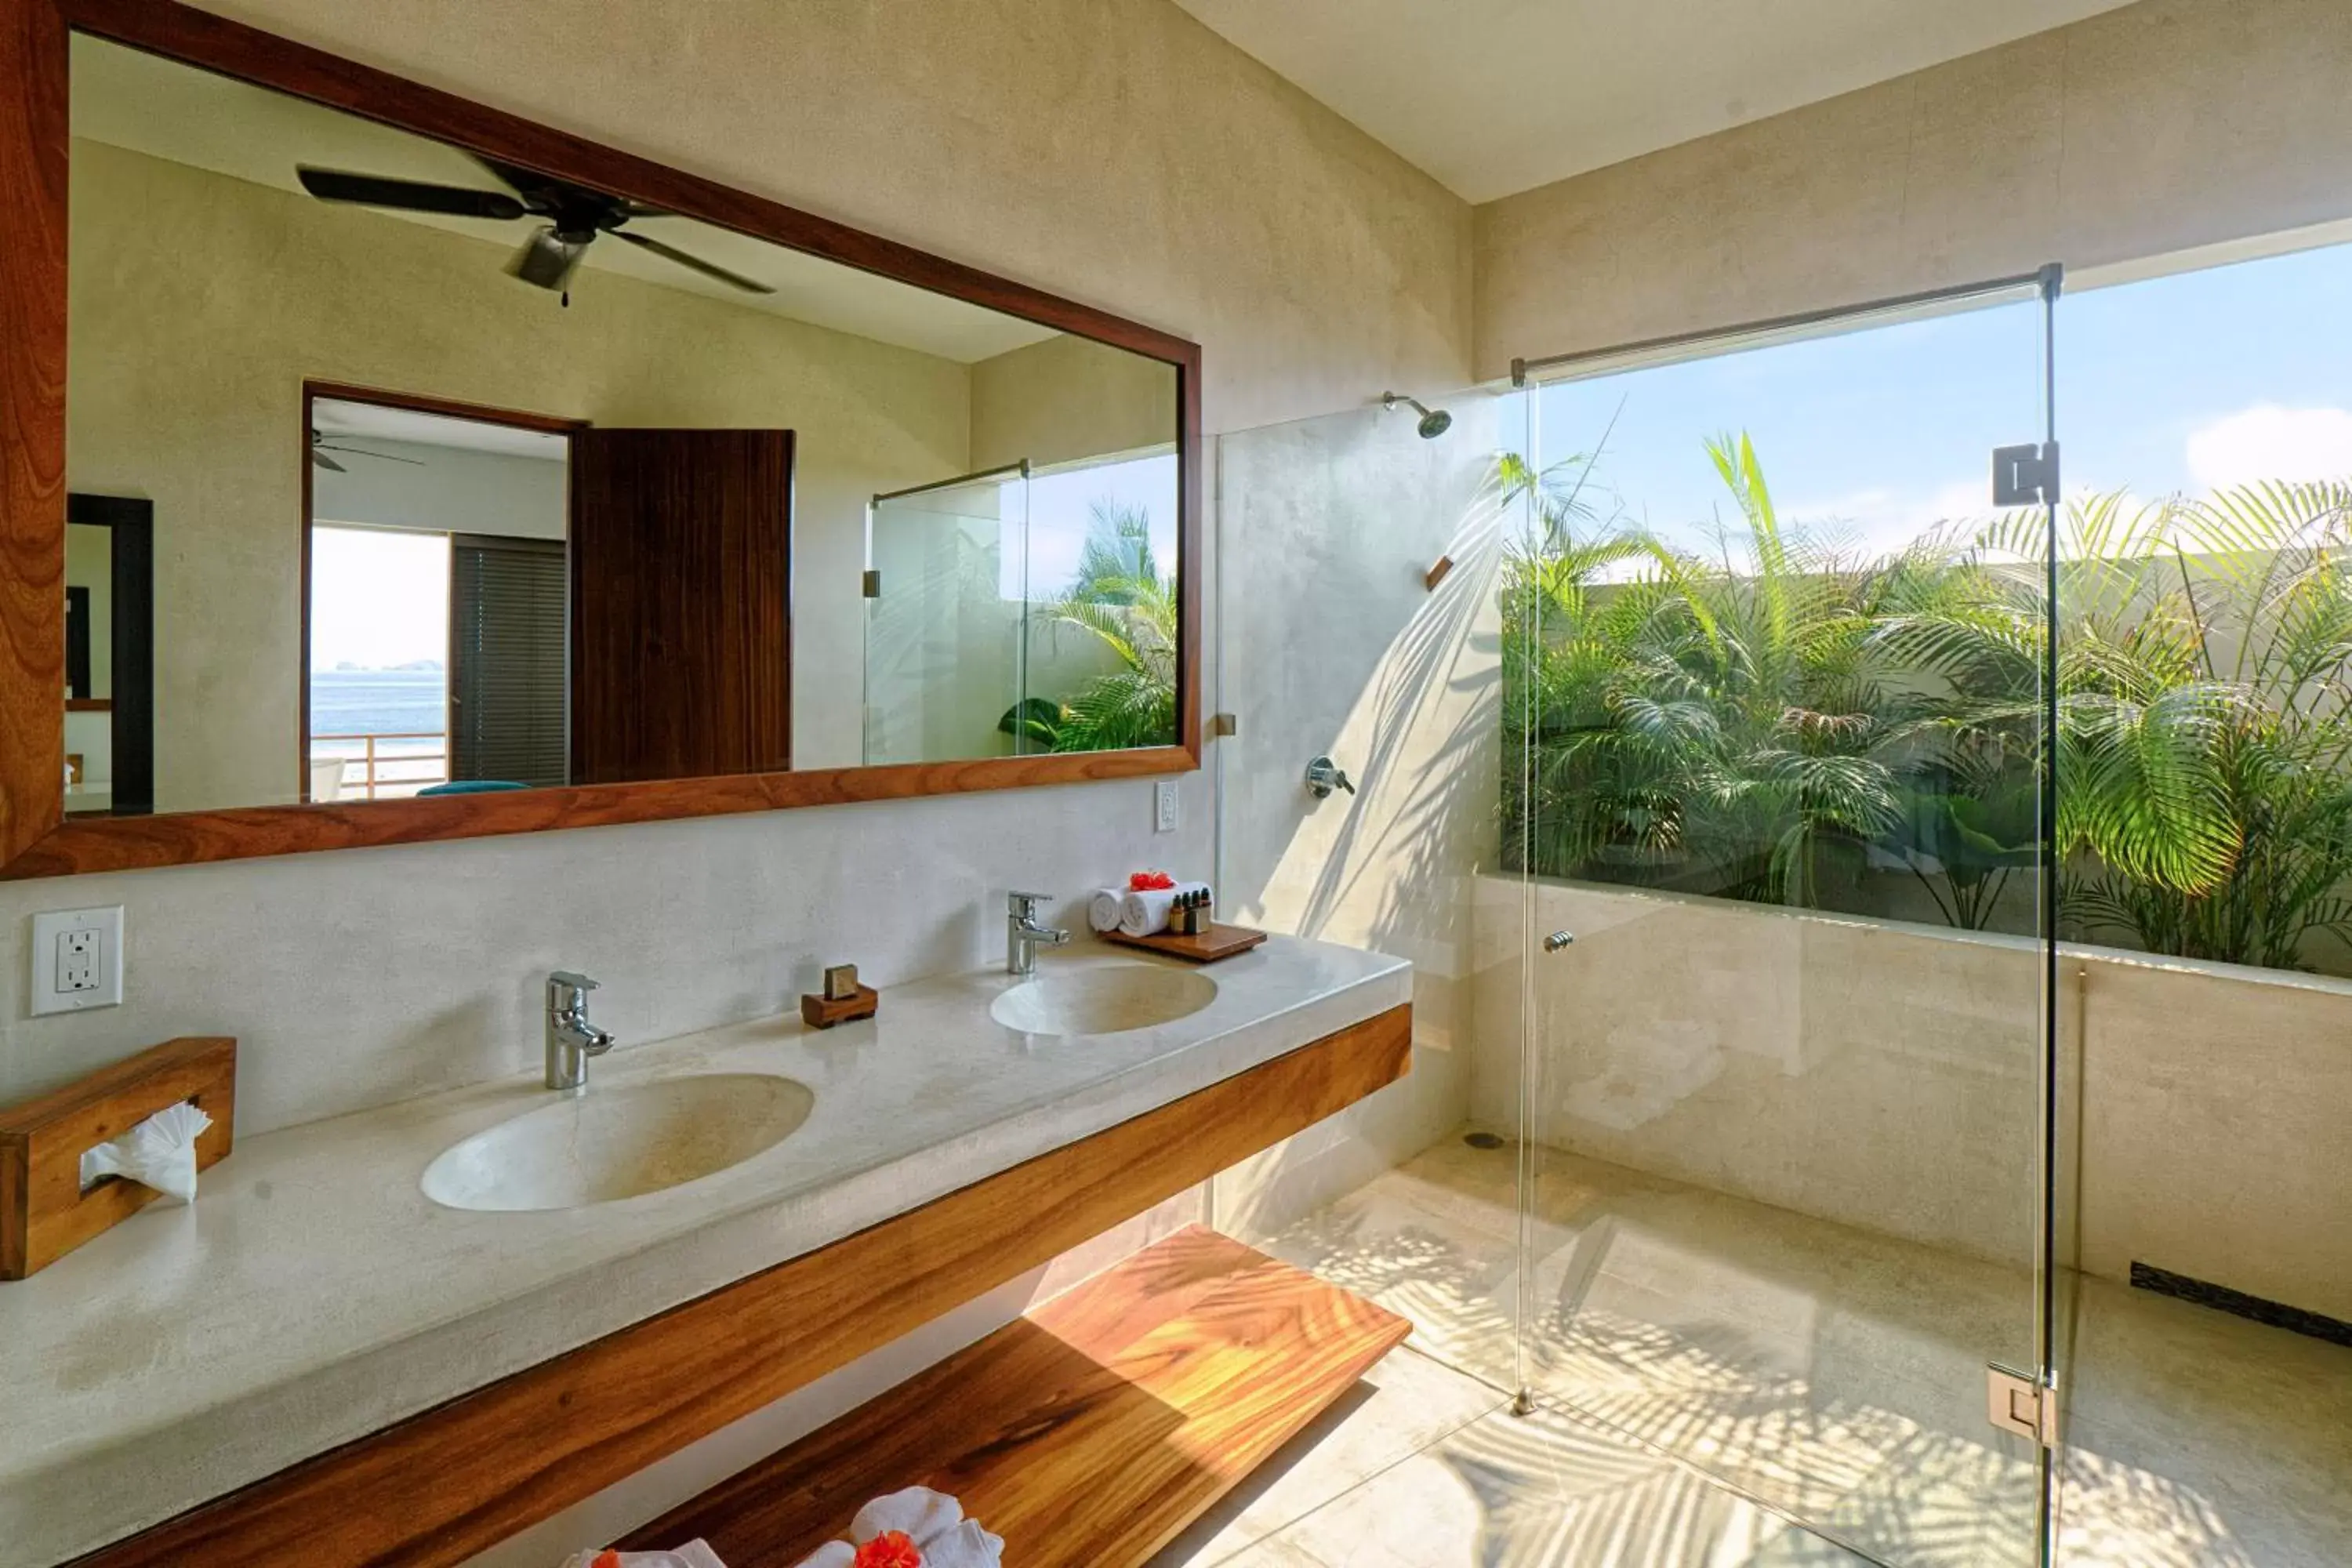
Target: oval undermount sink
x=1102 y=999
x=621 y=1142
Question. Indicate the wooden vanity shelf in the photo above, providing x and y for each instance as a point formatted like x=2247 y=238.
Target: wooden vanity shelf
x=454 y=1481
x=1090 y=1432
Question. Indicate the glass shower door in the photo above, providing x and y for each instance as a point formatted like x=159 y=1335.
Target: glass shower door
x=1774 y=714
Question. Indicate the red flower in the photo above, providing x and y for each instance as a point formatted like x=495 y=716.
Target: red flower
x=892 y=1549
x=1149 y=882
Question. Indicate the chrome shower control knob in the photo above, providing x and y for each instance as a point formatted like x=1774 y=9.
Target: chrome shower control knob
x=1558 y=940
x=1324 y=775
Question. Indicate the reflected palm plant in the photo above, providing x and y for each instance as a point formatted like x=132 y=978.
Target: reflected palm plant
x=1120 y=599
x=1719 y=726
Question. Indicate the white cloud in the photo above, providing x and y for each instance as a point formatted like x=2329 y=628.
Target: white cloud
x=2268 y=442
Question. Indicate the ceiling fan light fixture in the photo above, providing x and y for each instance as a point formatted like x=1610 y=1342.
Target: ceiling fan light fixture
x=548 y=257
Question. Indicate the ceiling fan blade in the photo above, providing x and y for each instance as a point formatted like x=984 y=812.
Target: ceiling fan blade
x=379 y=457
x=320 y=460
x=708 y=268
x=409 y=196
x=547 y=260
x=542 y=194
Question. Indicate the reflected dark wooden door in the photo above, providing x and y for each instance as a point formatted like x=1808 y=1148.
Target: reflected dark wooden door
x=681 y=586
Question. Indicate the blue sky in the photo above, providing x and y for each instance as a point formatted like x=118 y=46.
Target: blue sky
x=2174 y=384
x=1061 y=511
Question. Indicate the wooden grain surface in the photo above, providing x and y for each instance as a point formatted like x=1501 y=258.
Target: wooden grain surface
x=44 y=1213
x=1087 y=1434
x=681 y=596
x=33 y=142
x=35 y=838
x=435 y=1488
x=1207 y=947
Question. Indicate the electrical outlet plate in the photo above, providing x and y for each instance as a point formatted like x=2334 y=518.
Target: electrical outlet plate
x=77 y=961
x=1163 y=806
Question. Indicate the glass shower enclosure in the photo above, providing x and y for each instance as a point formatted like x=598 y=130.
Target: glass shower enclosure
x=1697 y=695
x=1775 y=717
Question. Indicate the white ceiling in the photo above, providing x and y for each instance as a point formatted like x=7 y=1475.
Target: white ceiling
x=169 y=111
x=1493 y=96
x=369 y=422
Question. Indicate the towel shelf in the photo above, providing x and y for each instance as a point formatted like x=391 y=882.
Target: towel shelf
x=1091 y=1431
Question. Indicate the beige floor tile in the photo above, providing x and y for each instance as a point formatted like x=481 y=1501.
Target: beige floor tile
x=2196 y=1439
x=1544 y=1492
x=1838 y=1375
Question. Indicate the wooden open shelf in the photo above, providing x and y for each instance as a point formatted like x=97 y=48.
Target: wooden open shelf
x=1090 y=1432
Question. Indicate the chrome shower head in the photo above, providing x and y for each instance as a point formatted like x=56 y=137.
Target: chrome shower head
x=1434 y=422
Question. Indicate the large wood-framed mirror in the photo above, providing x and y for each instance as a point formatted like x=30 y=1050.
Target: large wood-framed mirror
x=496 y=481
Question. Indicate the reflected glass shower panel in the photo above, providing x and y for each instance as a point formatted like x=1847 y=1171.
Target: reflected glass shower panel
x=945 y=620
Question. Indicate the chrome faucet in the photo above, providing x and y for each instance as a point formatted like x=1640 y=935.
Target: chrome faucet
x=1024 y=936
x=571 y=1039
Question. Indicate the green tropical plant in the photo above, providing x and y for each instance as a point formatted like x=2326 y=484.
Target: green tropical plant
x=1765 y=724
x=1720 y=725
x=1119 y=598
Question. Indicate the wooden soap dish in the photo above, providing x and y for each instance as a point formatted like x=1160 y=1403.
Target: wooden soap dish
x=1207 y=947
x=44 y=1213
x=824 y=1012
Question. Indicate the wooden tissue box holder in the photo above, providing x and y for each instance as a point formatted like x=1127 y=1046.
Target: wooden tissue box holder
x=44 y=1213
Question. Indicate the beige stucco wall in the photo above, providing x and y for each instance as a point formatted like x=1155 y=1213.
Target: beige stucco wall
x=201 y=303
x=1069 y=399
x=1334 y=643
x=2156 y=128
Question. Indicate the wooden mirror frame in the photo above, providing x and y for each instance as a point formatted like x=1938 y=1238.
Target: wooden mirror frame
x=37 y=839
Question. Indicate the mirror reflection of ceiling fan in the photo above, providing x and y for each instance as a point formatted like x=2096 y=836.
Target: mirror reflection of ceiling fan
x=575 y=215
x=323 y=444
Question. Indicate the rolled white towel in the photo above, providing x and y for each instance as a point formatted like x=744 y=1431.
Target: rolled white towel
x=933 y=1520
x=918 y=1512
x=693 y=1554
x=1143 y=913
x=1103 y=908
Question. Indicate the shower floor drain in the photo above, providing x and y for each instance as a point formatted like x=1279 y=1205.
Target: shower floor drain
x=1481 y=1140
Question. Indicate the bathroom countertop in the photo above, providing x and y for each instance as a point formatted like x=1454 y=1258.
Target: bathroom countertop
x=313 y=1294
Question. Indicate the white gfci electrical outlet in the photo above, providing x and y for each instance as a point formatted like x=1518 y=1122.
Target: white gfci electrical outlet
x=76 y=960
x=1163 y=807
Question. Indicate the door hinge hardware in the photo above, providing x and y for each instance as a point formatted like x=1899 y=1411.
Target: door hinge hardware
x=873 y=584
x=2025 y=476
x=2018 y=1402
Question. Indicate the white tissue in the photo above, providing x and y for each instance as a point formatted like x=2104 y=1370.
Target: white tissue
x=933 y=1520
x=693 y=1554
x=1103 y=907
x=1143 y=913
x=160 y=1152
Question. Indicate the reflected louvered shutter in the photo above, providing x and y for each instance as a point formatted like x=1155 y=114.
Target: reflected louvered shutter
x=508 y=643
